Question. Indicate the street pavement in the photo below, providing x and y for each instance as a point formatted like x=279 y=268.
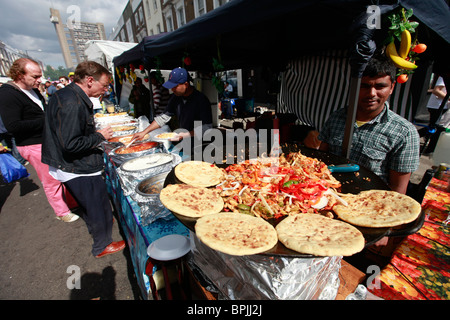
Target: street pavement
x=41 y=258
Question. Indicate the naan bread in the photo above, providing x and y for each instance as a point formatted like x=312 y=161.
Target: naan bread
x=199 y=173
x=125 y=139
x=166 y=135
x=123 y=128
x=320 y=236
x=191 y=201
x=236 y=233
x=101 y=115
x=378 y=208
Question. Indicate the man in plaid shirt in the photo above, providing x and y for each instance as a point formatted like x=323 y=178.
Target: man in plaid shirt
x=383 y=141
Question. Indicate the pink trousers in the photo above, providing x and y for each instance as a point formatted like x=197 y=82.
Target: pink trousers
x=57 y=195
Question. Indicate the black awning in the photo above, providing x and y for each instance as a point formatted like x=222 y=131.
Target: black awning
x=247 y=33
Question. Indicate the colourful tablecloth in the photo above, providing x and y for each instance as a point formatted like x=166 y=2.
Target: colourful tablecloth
x=420 y=266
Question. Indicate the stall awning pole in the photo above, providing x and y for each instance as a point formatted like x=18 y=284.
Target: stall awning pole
x=361 y=52
x=351 y=116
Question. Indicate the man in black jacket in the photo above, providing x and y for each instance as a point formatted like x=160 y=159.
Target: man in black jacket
x=70 y=148
x=22 y=111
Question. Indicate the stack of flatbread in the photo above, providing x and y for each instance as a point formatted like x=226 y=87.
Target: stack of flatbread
x=236 y=233
x=191 y=201
x=192 y=198
x=199 y=173
x=378 y=209
x=318 y=235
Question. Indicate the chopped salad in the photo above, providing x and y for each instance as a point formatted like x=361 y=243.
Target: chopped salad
x=274 y=187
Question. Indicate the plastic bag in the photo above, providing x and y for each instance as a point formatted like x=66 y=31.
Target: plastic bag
x=11 y=169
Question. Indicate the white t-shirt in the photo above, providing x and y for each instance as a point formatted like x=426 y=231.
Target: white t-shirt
x=435 y=102
x=34 y=97
x=229 y=88
x=96 y=102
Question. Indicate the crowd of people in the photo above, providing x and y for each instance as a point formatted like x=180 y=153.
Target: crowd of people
x=48 y=88
x=52 y=128
x=66 y=161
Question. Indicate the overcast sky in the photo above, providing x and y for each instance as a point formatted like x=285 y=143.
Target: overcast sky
x=25 y=24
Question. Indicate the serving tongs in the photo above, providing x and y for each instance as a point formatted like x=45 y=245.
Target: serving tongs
x=130 y=143
x=338 y=198
x=350 y=167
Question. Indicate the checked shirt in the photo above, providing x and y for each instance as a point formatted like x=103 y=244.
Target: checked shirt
x=387 y=142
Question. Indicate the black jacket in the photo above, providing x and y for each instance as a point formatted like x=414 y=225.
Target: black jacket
x=70 y=140
x=22 y=118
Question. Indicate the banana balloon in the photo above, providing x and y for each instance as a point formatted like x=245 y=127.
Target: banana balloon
x=398 y=61
x=405 y=44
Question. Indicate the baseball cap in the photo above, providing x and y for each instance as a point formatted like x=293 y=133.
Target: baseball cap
x=176 y=77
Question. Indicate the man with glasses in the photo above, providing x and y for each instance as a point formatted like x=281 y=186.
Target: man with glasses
x=70 y=149
x=64 y=80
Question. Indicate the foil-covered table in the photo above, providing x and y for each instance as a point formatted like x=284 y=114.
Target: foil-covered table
x=261 y=277
x=253 y=277
x=150 y=206
x=137 y=234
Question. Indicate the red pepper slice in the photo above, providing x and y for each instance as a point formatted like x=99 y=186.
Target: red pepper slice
x=310 y=190
x=274 y=188
x=298 y=196
x=234 y=168
x=284 y=170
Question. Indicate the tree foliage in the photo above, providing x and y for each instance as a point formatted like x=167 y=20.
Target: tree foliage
x=54 y=74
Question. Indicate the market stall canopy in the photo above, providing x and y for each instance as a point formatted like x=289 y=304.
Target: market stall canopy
x=135 y=54
x=103 y=51
x=254 y=33
x=249 y=33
